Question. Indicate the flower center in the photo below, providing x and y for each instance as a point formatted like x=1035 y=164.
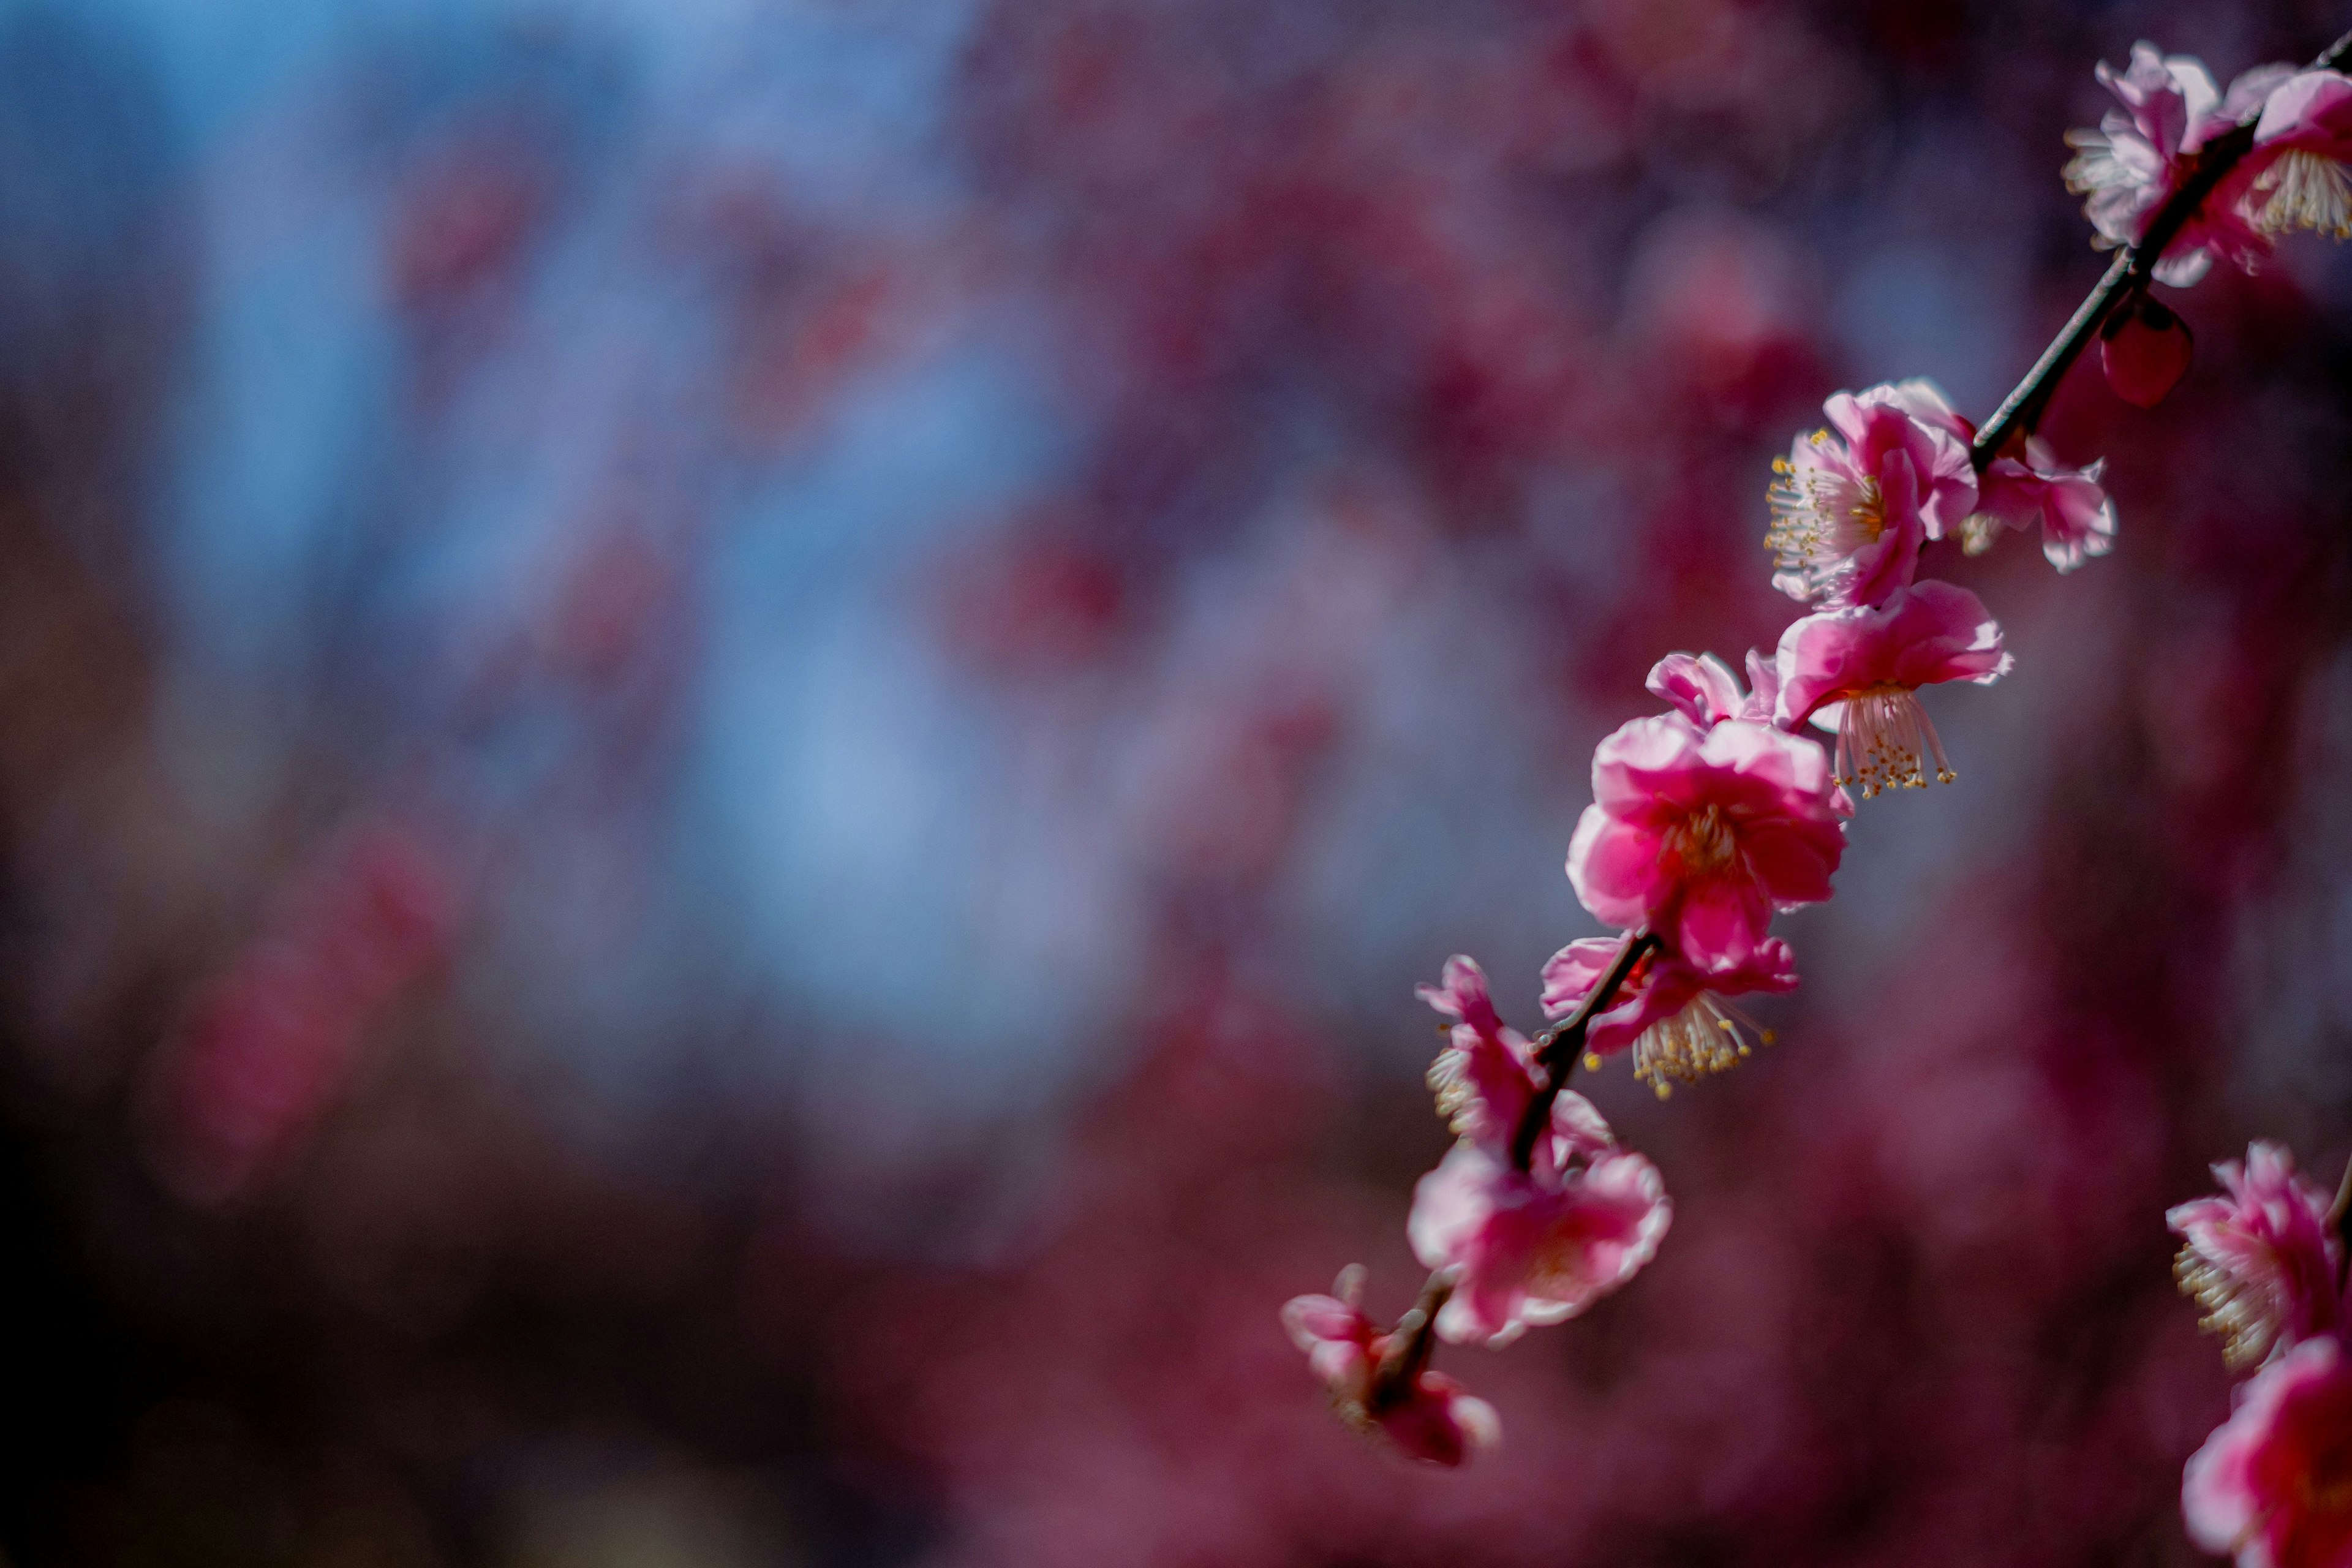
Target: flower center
x=1820 y=516
x=1708 y=1037
x=2307 y=191
x=1885 y=741
x=1701 y=844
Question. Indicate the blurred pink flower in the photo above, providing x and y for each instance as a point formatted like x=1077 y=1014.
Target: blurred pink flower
x=2077 y=519
x=1872 y=662
x=2145 y=151
x=1430 y=1418
x=1852 y=503
x=1484 y=1077
x=1699 y=835
x=2262 y=1261
x=1703 y=689
x=1539 y=1247
x=1673 y=1016
x=2272 y=1485
x=2302 y=143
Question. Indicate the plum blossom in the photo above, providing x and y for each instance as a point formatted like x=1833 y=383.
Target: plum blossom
x=1871 y=662
x=2301 y=144
x=1675 y=1020
x=1426 y=1415
x=2145 y=150
x=1699 y=835
x=1538 y=1245
x=2262 y=1261
x=1485 y=1076
x=2272 y=1485
x=1703 y=689
x=1852 y=502
x=2076 y=518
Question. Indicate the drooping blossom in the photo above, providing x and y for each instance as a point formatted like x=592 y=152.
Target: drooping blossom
x=1852 y=502
x=2301 y=145
x=2076 y=519
x=1538 y=1245
x=1703 y=689
x=1426 y=1414
x=2262 y=1259
x=1871 y=662
x=2272 y=1485
x=2144 y=351
x=1699 y=835
x=1676 y=1019
x=1485 y=1076
x=2145 y=151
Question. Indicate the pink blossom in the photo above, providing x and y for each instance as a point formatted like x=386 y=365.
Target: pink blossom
x=1699 y=835
x=2272 y=1485
x=1427 y=1416
x=1533 y=1248
x=1872 y=662
x=2301 y=144
x=1852 y=502
x=2148 y=149
x=1703 y=689
x=2077 y=520
x=2262 y=1261
x=1674 y=1018
x=1484 y=1075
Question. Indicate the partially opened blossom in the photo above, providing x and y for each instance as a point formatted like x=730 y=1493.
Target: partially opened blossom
x=1703 y=689
x=1426 y=1414
x=2262 y=1259
x=2272 y=1485
x=1534 y=1246
x=2076 y=518
x=2301 y=145
x=1872 y=663
x=1852 y=502
x=1484 y=1075
x=2145 y=150
x=1700 y=834
x=1676 y=1019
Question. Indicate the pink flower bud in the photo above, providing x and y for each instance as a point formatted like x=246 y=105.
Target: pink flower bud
x=2144 y=349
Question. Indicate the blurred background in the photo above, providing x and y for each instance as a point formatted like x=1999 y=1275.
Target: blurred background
x=730 y=731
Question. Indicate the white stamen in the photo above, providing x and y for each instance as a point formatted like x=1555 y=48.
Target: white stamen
x=1708 y=1037
x=2307 y=191
x=1820 y=518
x=1885 y=741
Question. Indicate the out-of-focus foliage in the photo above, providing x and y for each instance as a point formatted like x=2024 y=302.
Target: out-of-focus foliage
x=729 y=733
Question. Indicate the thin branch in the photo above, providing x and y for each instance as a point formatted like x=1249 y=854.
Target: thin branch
x=1558 y=1048
x=2134 y=267
x=1410 y=1344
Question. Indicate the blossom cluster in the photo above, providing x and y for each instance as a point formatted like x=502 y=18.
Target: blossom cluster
x=1712 y=817
x=2272 y=1485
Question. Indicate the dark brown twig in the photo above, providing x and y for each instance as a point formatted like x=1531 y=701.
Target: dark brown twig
x=1558 y=1048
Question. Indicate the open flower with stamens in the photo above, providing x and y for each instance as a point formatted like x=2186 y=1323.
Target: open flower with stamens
x=1852 y=502
x=2148 y=149
x=1700 y=834
x=1486 y=1075
x=1677 y=1020
x=2272 y=1485
x=2076 y=518
x=2262 y=1259
x=1536 y=1246
x=1871 y=663
x=1424 y=1414
x=2302 y=146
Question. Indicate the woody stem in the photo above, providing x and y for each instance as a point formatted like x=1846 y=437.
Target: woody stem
x=1558 y=1048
